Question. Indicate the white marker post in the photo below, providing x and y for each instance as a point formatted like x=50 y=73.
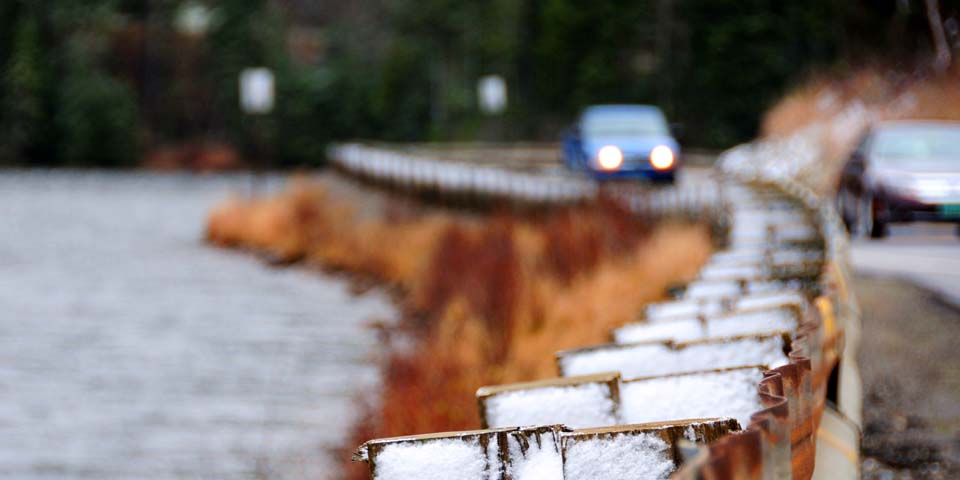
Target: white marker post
x=492 y=94
x=492 y=98
x=256 y=90
x=257 y=99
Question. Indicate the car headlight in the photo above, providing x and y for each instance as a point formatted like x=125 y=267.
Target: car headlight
x=610 y=158
x=661 y=157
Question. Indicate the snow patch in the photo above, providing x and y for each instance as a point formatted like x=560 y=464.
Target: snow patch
x=758 y=322
x=535 y=456
x=633 y=457
x=576 y=406
x=446 y=459
x=680 y=330
x=751 y=323
x=647 y=360
x=730 y=393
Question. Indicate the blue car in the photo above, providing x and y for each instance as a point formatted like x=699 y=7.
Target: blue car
x=622 y=141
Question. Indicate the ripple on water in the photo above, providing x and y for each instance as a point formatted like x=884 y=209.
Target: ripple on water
x=128 y=349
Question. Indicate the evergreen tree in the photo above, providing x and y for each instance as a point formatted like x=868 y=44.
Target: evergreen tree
x=23 y=87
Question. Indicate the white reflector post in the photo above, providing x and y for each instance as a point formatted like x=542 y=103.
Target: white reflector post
x=256 y=90
x=492 y=93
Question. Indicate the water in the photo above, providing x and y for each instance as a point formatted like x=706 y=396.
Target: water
x=129 y=349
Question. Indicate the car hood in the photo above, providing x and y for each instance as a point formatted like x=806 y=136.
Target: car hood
x=924 y=173
x=629 y=145
x=927 y=184
x=928 y=166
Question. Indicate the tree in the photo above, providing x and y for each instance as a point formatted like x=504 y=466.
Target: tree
x=23 y=87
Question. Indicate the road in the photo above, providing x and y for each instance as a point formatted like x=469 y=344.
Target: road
x=927 y=254
x=911 y=381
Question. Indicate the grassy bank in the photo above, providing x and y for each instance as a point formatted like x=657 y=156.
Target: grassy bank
x=835 y=109
x=486 y=298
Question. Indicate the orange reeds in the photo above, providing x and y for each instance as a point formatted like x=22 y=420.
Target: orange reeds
x=486 y=298
x=859 y=99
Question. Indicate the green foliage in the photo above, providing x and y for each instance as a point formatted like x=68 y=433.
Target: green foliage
x=86 y=82
x=402 y=96
x=23 y=82
x=245 y=36
x=584 y=52
x=98 y=118
x=303 y=117
x=742 y=55
x=58 y=106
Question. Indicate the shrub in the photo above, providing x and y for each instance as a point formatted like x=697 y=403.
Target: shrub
x=99 y=121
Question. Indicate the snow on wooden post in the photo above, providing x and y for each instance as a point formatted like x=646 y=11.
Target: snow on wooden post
x=577 y=402
x=648 y=450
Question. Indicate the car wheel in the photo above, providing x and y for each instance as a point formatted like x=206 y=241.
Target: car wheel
x=863 y=220
x=879 y=229
x=843 y=208
x=876 y=227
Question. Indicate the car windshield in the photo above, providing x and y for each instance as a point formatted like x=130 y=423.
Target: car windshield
x=906 y=145
x=624 y=124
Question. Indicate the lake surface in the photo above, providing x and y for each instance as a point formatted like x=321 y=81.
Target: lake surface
x=130 y=349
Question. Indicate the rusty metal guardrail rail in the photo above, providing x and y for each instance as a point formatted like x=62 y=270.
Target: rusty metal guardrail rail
x=548 y=451
x=780 y=281
x=409 y=172
x=480 y=183
x=824 y=350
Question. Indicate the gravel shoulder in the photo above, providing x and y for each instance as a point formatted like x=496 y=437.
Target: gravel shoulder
x=911 y=377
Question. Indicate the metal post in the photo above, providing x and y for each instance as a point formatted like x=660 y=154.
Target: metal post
x=256 y=100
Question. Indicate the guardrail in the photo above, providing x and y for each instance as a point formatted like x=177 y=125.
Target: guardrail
x=783 y=265
x=477 y=184
x=411 y=173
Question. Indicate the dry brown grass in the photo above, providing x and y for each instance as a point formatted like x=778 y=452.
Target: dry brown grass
x=864 y=96
x=486 y=300
x=304 y=223
x=891 y=94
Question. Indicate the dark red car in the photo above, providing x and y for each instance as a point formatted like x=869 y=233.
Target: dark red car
x=902 y=171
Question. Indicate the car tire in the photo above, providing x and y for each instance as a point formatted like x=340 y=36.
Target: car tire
x=879 y=229
x=877 y=226
x=843 y=209
x=863 y=218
